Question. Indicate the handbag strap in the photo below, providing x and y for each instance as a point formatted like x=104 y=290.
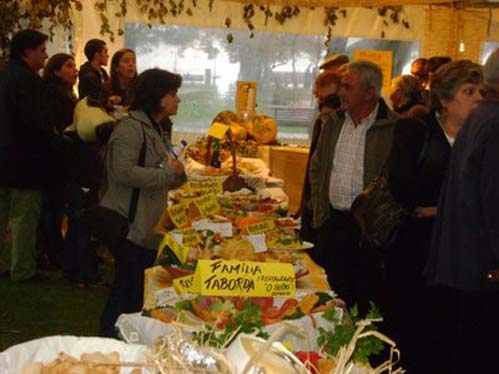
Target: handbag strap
x=132 y=209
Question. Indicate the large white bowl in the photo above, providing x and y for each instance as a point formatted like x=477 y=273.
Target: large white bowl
x=44 y=350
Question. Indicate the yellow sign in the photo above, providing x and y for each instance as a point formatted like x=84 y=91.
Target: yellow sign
x=238 y=278
x=187 y=284
x=178 y=249
x=178 y=215
x=207 y=204
x=217 y=130
x=190 y=237
x=261 y=227
x=245 y=96
x=206 y=187
x=384 y=59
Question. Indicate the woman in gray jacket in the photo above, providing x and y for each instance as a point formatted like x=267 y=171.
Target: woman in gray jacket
x=155 y=98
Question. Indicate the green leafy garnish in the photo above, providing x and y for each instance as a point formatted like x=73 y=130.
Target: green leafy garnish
x=333 y=340
x=183 y=305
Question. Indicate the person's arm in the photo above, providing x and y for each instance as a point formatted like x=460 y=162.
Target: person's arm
x=123 y=156
x=408 y=140
x=489 y=190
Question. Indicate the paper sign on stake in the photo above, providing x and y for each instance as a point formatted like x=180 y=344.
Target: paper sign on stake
x=217 y=130
x=190 y=237
x=206 y=187
x=236 y=278
x=178 y=249
x=187 y=284
x=261 y=227
x=207 y=204
x=178 y=215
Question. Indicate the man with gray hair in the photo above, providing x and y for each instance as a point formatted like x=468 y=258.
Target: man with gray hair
x=352 y=150
x=464 y=257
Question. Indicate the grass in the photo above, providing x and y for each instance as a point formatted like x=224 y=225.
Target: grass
x=54 y=307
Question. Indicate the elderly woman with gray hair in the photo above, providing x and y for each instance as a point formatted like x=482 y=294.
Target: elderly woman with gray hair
x=418 y=162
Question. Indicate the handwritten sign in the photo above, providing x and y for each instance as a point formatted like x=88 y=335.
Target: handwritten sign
x=187 y=284
x=190 y=237
x=235 y=278
x=165 y=295
x=384 y=59
x=261 y=227
x=206 y=187
x=207 y=204
x=218 y=130
x=178 y=215
x=178 y=249
x=258 y=242
x=245 y=95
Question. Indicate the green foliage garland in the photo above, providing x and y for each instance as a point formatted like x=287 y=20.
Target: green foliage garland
x=18 y=14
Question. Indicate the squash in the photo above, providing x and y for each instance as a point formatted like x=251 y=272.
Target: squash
x=263 y=129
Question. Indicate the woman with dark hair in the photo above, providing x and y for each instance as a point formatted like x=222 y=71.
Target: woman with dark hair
x=139 y=160
x=419 y=159
x=60 y=75
x=123 y=75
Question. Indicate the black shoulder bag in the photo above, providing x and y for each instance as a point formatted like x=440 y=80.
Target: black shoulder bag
x=377 y=213
x=107 y=225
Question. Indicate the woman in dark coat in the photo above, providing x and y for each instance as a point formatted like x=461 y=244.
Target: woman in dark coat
x=60 y=75
x=419 y=159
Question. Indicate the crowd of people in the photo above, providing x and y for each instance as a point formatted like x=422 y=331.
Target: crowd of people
x=63 y=154
x=436 y=141
x=434 y=280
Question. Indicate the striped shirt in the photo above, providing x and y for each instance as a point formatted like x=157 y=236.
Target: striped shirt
x=347 y=175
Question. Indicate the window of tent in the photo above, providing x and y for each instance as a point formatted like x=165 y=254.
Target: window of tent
x=487 y=49
x=283 y=65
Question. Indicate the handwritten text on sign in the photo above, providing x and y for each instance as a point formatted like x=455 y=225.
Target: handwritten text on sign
x=207 y=204
x=206 y=187
x=178 y=215
x=190 y=237
x=186 y=284
x=261 y=227
x=237 y=278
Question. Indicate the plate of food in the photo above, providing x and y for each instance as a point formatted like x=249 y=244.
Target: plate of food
x=68 y=354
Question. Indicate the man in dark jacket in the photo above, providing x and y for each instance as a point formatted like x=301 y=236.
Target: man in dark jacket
x=28 y=148
x=352 y=149
x=92 y=75
x=465 y=248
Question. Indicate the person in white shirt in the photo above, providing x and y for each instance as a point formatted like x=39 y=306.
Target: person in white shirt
x=352 y=150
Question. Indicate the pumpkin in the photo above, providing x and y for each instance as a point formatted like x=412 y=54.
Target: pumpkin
x=230 y=118
x=263 y=129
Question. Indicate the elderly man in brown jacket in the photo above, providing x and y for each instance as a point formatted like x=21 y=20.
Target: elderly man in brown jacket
x=352 y=150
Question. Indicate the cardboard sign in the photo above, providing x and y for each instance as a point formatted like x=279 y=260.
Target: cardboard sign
x=384 y=59
x=187 y=284
x=190 y=237
x=206 y=187
x=178 y=215
x=258 y=242
x=245 y=96
x=261 y=227
x=207 y=204
x=218 y=130
x=178 y=249
x=165 y=295
x=238 y=278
